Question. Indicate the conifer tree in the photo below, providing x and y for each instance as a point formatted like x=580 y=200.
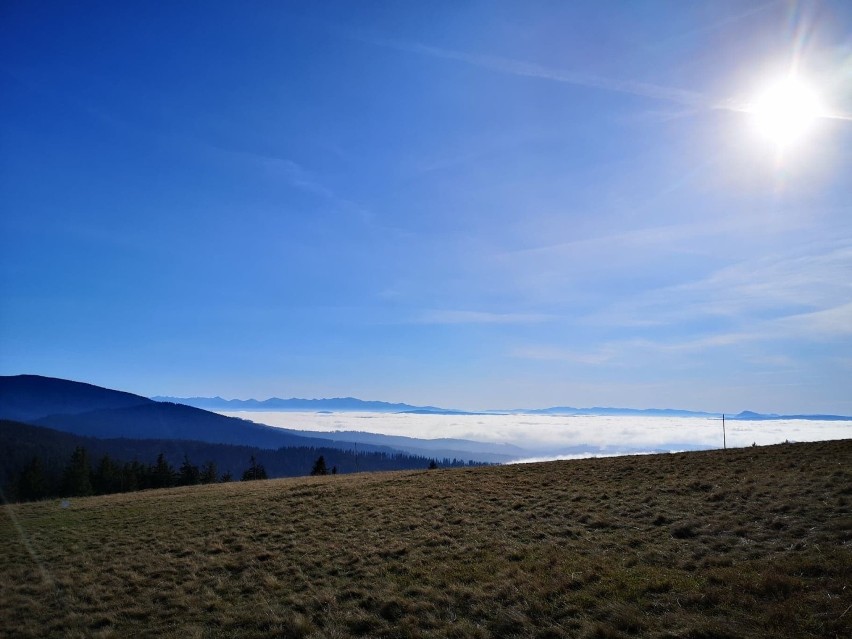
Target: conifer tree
x=162 y=474
x=209 y=473
x=77 y=480
x=190 y=475
x=134 y=476
x=319 y=467
x=255 y=471
x=107 y=478
x=32 y=483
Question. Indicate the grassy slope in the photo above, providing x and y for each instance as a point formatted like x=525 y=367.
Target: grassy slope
x=743 y=543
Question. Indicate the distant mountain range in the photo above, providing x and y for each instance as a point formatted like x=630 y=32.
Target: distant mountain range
x=747 y=415
x=609 y=411
x=337 y=404
x=352 y=404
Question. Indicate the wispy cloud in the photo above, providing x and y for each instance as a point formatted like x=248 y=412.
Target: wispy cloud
x=680 y=235
x=290 y=171
x=665 y=235
x=622 y=352
x=752 y=341
x=479 y=317
x=719 y=24
x=531 y=70
x=811 y=278
x=298 y=177
x=815 y=275
x=551 y=353
x=823 y=324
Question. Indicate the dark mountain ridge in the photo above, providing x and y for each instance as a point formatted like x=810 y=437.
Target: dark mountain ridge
x=162 y=420
x=30 y=397
x=92 y=411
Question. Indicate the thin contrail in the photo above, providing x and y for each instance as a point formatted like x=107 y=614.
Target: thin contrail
x=531 y=70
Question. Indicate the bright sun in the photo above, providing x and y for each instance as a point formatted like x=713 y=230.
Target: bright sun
x=786 y=112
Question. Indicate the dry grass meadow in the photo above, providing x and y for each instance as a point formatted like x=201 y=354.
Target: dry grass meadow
x=742 y=543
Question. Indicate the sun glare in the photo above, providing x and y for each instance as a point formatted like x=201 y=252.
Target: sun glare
x=786 y=112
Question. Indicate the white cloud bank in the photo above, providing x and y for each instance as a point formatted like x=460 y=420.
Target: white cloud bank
x=544 y=433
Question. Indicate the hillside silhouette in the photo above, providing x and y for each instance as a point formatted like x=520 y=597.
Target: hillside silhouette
x=31 y=397
x=92 y=411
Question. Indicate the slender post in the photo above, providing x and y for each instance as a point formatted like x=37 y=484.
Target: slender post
x=724 y=437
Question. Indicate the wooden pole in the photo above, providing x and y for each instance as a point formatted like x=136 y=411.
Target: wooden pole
x=724 y=437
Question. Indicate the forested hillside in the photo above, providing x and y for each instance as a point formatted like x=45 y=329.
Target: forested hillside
x=35 y=461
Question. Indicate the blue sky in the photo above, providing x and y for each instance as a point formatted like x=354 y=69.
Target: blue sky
x=470 y=204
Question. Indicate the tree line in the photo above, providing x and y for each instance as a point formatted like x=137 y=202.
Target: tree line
x=35 y=463
x=80 y=477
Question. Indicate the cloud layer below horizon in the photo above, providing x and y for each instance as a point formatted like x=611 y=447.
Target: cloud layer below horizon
x=555 y=433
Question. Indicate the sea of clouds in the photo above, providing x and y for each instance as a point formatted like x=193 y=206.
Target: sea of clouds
x=553 y=437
